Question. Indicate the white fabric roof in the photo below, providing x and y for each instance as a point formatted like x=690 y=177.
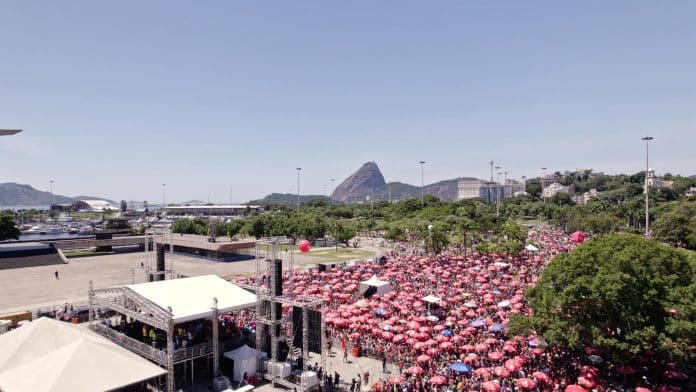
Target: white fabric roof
x=192 y=298
x=531 y=248
x=375 y=281
x=50 y=355
x=431 y=298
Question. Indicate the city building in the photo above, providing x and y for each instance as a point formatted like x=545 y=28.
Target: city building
x=93 y=206
x=554 y=188
x=585 y=197
x=472 y=189
x=548 y=180
x=224 y=210
x=514 y=188
x=488 y=190
x=656 y=182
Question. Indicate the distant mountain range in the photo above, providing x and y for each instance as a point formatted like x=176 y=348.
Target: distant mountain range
x=368 y=183
x=20 y=195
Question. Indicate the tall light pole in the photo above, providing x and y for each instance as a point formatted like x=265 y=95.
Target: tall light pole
x=231 y=196
x=422 y=189
x=497 y=191
x=164 y=197
x=505 y=184
x=324 y=186
x=372 y=191
x=542 y=184
x=389 y=189
x=50 y=203
x=333 y=189
x=298 y=188
x=647 y=191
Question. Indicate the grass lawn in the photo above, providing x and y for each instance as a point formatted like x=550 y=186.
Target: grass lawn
x=83 y=253
x=331 y=255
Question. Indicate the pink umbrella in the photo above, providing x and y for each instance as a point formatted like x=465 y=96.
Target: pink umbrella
x=446 y=345
x=642 y=389
x=575 y=388
x=496 y=355
x=481 y=372
x=491 y=386
x=512 y=365
x=396 y=380
x=525 y=383
x=413 y=370
x=438 y=380
x=423 y=358
x=500 y=371
x=541 y=376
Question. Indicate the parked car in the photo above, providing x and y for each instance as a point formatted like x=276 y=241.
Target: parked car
x=81 y=313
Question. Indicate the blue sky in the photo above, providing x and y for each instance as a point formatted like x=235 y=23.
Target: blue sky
x=117 y=98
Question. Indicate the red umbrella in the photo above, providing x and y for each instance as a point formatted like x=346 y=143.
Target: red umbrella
x=525 y=383
x=481 y=372
x=471 y=358
x=642 y=389
x=423 y=358
x=491 y=386
x=541 y=376
x=512 y=365
x=675 y=375
x=500 y=371
x=586 y=382
x=415 y=370
x=496 y=355
x=396 y=380
x=575 y=388
x=438 y=380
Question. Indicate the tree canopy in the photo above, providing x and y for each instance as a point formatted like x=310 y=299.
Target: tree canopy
x=8 y=229
x=621 y=294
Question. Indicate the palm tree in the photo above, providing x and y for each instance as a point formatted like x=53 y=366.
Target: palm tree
x=465 y=226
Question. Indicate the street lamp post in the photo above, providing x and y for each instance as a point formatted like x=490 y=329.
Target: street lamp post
x=542 y=184
x=231 y=196
x=647 y=191
x=50 y=203
x=164 y=197
x=324 y=186
x=422 y=189
x=333 y=189
x=497 y=191
x=298 y=188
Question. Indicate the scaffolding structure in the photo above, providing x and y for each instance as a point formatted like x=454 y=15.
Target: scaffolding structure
x=269 y=317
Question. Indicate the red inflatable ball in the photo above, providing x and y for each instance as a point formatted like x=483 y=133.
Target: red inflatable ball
x=304 y=246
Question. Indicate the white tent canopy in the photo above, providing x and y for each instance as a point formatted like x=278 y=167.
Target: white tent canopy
x=245 y=359
x=531 y=248
x=192 y=298
x=382 y=286
x=49 y=355
x=431 y=299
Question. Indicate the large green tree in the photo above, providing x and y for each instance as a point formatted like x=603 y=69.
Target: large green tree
x=8 y=229
x=620 y=293
x=678 y=225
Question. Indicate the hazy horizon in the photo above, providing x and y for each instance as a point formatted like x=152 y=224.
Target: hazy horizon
x=117 y=99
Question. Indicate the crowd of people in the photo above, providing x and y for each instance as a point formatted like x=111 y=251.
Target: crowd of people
x=443 y=323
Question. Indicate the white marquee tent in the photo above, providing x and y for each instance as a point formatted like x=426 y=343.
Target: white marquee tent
x=49 y=355
x=431 y=299
x=382 y=286
x=245 y=359
x=191 y=298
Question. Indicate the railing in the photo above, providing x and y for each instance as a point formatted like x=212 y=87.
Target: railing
x=146 y=350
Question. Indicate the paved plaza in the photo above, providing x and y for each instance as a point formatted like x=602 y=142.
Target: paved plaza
x=354 y=368
x=35 y=287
